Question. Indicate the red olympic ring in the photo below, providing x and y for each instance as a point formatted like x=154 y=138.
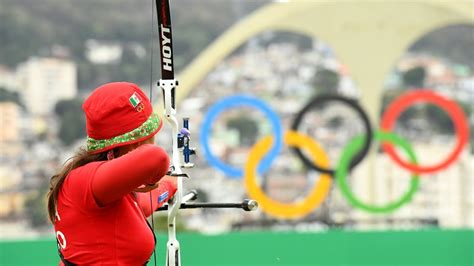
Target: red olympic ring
x=450 y=107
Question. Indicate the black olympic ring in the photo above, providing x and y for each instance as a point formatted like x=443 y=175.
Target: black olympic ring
x=319 y=100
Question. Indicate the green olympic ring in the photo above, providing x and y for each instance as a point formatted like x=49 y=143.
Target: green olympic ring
x=352 y=148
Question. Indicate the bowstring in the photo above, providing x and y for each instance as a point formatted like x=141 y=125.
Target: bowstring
x=151 y=101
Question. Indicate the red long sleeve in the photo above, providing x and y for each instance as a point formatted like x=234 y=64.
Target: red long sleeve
x=159 y=196
x=118 y=177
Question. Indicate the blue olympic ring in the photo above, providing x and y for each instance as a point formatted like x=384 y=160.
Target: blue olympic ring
x=237 y=101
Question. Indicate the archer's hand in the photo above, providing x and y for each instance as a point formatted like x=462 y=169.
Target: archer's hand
x=146 y=187
x=169 y=178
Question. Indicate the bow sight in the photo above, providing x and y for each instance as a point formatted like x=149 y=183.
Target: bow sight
x=184 y=137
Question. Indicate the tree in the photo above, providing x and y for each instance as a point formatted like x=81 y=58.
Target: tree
x=325 y=81
x=248 y=129
x=202 y=195
x=9 y=96
x=72 y=121
x=414 y=77
x=35 y=206
x=453 y=42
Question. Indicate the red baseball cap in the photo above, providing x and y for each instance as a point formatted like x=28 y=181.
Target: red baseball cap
x=118 y=114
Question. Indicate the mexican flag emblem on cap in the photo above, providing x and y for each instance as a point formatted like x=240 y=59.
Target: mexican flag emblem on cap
x=135 y=100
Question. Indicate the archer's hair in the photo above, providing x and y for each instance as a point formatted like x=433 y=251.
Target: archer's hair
x=82 y=157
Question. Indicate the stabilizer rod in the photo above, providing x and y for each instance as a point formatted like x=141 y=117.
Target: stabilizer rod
x=246 y=205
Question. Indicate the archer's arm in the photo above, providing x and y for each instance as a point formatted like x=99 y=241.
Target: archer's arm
x=116 y=178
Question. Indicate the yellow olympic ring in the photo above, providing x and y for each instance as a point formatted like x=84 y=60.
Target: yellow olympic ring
x=288 y=210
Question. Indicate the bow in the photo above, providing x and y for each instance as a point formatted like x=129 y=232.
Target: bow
x=180 y=139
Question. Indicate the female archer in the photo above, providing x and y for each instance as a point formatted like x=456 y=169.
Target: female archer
x=96 y=201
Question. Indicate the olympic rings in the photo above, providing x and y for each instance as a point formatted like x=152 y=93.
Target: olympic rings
x=455 y=113
x=285 y=210
x=237 y=101
x=352 y=154
x=341 y=173
x=317 y=101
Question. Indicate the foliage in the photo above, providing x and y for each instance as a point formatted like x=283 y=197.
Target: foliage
x=414 y=77
x=32 y=28
x=335 y=122
x=35 y=206
x=440 y=43
x=72 y=121
x=202 y=195
x=325 y=81
x=9 y=96
x=248 y=129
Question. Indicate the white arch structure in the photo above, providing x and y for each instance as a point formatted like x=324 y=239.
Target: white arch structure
x=367 y=36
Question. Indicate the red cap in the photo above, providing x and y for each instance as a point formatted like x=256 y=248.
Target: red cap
x=117 y=114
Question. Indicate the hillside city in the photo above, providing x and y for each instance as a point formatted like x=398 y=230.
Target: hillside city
x=281 y=74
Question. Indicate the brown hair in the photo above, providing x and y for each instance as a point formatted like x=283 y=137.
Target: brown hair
x=82 y=157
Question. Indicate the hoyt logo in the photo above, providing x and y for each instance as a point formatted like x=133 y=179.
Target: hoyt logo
x=166 y=53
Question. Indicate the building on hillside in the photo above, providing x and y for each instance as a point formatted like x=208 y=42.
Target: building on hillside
x=466 y=85
x=11 y=200
x=9 y=121
x=11 y=125
x=100 y=52
x=43 y=82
